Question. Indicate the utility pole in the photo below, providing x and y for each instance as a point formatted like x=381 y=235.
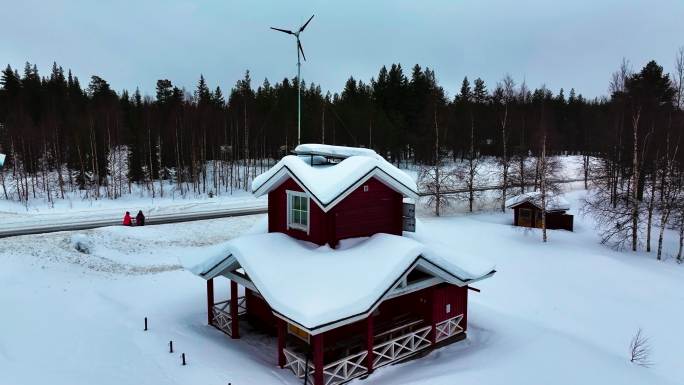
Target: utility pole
x=323 y=125
x=299 y=95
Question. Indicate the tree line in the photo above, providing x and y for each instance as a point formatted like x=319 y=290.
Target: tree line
x=62 y=137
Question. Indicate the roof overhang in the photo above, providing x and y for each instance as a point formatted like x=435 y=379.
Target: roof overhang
x=229 y=266
x=376 y=172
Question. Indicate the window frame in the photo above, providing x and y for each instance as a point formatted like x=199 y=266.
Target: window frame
x=290 y=194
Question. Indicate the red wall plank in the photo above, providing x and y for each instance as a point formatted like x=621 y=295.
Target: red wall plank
x=259 y=312
x=364 y=213
x=456 y=297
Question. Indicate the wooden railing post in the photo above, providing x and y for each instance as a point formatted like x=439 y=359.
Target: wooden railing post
x=210 y=301
x=281 y=343
x=234 y=324
x=317 y=341
x=369 y=342
x=434 y=314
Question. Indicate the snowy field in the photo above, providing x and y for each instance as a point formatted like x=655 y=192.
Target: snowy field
x=556 y=313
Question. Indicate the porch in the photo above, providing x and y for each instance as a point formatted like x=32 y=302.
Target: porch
x=398 y=329
x=387 y=347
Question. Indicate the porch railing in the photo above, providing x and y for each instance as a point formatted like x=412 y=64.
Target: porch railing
x=345 y=369
x=334 y=373
x=297 y=364
x=221 y=318
x=385 y=353
x=401 y=347
x=448 y=328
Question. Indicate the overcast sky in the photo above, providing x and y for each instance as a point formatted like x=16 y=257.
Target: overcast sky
x=565 y=44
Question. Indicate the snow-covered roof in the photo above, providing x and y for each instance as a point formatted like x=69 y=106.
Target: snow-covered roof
x=553 y=202
x=328 y=184
x=314 y=286
x=328 y=150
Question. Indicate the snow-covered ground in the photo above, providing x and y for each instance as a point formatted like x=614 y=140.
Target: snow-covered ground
x=74 y=208
x=557 y=313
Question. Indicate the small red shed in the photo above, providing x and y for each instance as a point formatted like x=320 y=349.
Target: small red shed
x=527 y=211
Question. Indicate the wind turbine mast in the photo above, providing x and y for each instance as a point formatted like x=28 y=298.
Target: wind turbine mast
x=300 y=50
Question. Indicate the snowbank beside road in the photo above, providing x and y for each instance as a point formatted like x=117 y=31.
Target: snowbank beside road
x=126 y=250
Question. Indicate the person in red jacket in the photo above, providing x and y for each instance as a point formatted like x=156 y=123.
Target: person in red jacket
x=127 y=219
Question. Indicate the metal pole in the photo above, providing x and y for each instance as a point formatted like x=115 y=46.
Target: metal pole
x=299 y=96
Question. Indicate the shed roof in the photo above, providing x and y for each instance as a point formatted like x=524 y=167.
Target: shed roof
x=553 y=202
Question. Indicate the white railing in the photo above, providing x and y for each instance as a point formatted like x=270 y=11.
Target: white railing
x=401 y=347
x=385 y=353
x=222 y=320
x=298 y=364
x=345 y=369
x=335 y=373
x=448 y=328
x=225 y=305
x=242 y=305
x=221 y=317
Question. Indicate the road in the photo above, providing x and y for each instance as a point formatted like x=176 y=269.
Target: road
x=257 y=208
x=157 y=219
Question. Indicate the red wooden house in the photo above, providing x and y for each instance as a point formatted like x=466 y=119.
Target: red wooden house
x=335 y=276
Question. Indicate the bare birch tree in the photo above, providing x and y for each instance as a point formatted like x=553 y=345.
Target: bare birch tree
x=435 y=180
x=543 y=184
x=506 y=93
x=635 y=177
x=679 y=78
x=671 y=188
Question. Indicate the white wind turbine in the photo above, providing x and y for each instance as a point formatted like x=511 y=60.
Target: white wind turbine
x=299 y=67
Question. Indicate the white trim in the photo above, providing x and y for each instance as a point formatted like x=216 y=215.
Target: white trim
x=401 y=347
x=398 y=291
x=448 y=328
x=385 y=297
x=381 y=176
x=296 y=226
x=284 y=173
x=298 y=364
x=240 y=280
x=429 y=282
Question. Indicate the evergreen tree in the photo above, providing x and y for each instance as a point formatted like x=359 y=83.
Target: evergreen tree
x=480 y=92
x=466 y=94
x=202 y=93
x=164 y=91
x=218 y=99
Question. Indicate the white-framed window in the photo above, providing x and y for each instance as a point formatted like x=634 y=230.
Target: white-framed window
x=297 y=210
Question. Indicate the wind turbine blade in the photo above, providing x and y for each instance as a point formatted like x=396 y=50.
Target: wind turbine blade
x=299 y=44
x=305 y=24
x=283 y=30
